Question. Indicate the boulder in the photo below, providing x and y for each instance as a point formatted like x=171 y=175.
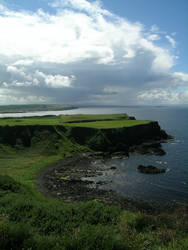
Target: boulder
x=150 y=169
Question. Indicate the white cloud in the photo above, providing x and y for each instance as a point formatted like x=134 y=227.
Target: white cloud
x=37 y=78
x=171 y=41
x=82 y=5
x=154 y=37
x=69 y=36
x=56 y=81
x=15 y=83
x=159 y=96
x=7 y=97
x=24 y=62
x=183 y=78
x=14 y=70
x=84 y=52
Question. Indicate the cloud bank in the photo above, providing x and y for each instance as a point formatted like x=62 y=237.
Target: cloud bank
x=85 y=54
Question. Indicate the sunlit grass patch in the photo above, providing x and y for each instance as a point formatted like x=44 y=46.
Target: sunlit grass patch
x=109 y=124
x=93 y=117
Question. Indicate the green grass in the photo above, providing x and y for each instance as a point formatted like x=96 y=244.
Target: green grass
x=93 y=117
x=49 y=120
x=59 y=120
x=28 y=221
x=23 y=165
x=109 y=124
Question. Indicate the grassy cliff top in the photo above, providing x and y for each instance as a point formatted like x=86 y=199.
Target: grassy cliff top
x=93 y=121
x=46 y=120
x=109 y=124
x=93 y=117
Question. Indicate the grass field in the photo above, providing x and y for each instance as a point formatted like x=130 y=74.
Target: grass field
x=92 y=121
x=23 y=165
x=59 y=120
x=109 y=124
x=93 y=117
x=47 y=120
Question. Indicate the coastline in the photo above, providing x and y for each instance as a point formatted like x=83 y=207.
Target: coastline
x=67 y=180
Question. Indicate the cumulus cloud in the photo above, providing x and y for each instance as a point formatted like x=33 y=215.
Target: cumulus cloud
x=56 y=81
x=85 y=54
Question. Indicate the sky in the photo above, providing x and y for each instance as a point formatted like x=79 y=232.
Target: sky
x=117 y=52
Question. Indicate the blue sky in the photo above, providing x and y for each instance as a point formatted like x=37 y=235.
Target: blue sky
x=83 y=51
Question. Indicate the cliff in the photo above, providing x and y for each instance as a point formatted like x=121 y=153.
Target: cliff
x=118 y=139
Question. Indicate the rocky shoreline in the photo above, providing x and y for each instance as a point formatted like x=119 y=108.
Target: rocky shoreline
x=67 y=180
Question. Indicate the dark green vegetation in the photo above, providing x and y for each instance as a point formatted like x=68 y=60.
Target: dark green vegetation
x=33 y=108
x=28 y=220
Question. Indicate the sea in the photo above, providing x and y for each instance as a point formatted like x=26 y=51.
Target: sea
x=124 y=178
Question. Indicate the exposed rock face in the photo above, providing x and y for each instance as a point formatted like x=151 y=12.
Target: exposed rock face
x=148 y=148
x=150 y=169
x=143 y=138
x=122 y=139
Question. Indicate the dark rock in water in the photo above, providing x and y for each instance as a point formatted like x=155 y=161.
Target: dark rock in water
x=113 y=167
x=150 y=169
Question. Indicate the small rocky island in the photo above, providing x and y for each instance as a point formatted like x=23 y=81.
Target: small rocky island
x=150 y=169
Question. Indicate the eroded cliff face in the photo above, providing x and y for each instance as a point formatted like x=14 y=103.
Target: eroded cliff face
x=118 y=139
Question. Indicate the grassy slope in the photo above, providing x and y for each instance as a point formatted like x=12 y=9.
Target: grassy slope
x=30 y=221
x=23 y=165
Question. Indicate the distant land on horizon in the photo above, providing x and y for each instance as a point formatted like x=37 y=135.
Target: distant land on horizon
x=33 y=108
x=17 y=108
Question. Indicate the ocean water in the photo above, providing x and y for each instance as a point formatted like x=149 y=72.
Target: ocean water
x=126 y=180
x=167 y=187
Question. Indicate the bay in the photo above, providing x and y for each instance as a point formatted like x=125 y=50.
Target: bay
x=127 y=181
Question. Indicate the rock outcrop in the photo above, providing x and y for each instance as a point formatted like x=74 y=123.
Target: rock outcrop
x=150 y=169
x=143 y=138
